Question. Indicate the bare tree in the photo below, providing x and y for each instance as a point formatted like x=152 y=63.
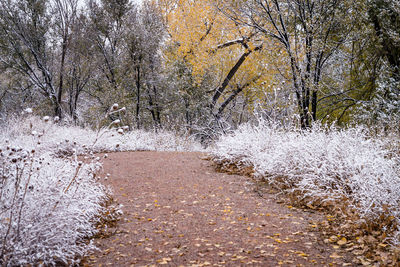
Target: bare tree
x=36 y=38
x=25 y=27
x=153 y=35
x=107 y=28
x=80 y=64
x=310 y=31
x=65 y=14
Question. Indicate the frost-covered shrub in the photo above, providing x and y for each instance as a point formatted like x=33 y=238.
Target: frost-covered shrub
x=64 y=140
x=323 y=165
x=47 y=207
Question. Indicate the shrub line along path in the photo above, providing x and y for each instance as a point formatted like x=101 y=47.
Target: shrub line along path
x=179 y=211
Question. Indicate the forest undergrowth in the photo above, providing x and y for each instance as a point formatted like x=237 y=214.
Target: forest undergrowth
x=51 y=201
x=350 y=175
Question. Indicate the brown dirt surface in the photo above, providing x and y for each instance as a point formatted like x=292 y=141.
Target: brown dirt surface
x=179 y=212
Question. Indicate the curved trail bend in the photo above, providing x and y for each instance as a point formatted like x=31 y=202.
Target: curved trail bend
x=179 y=211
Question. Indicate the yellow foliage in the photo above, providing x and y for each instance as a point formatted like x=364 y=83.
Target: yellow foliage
x=209 y=41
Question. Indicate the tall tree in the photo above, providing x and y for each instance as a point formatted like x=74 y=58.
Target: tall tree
x=25 y=26
x=311 y=33
x=81 y=66
x=127 y=41
x=143 y=42
x=107 y=23
x=36 y=35
x=65 y=14
x=213 y=44
x=380 y=105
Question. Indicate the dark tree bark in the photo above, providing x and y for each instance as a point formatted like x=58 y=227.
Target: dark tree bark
x=154 y=108
x=138 y=92
x=228 y=79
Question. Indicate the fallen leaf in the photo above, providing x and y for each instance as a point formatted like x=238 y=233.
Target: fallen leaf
x=342 y=241
x=333 y=239
x=335 y=256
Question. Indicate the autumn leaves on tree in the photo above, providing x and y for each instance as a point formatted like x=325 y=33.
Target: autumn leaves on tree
x=189 y=62
x=305 y=48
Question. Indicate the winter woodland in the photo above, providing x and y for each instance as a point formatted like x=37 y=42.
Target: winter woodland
x=303 y=92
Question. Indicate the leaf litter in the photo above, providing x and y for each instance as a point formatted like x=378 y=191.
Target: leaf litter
x=215 y=222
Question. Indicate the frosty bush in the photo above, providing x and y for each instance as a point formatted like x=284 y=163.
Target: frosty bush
x=47 y=207
x=65 y=139
x=321 y=165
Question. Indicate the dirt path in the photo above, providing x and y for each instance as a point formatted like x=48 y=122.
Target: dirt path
x=179 y=211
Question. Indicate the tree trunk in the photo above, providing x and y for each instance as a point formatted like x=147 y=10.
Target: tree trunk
x=138 y=97
x=61 y=81
x=187 y=112
x=314 y=98
x=228 y=100
x=230 y=75
x=157 y=108
x=155 y=112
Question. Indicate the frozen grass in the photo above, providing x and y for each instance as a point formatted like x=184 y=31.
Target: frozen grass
x=47 y=207
x=66 y=139
x=50 y=202
x=325 y=167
